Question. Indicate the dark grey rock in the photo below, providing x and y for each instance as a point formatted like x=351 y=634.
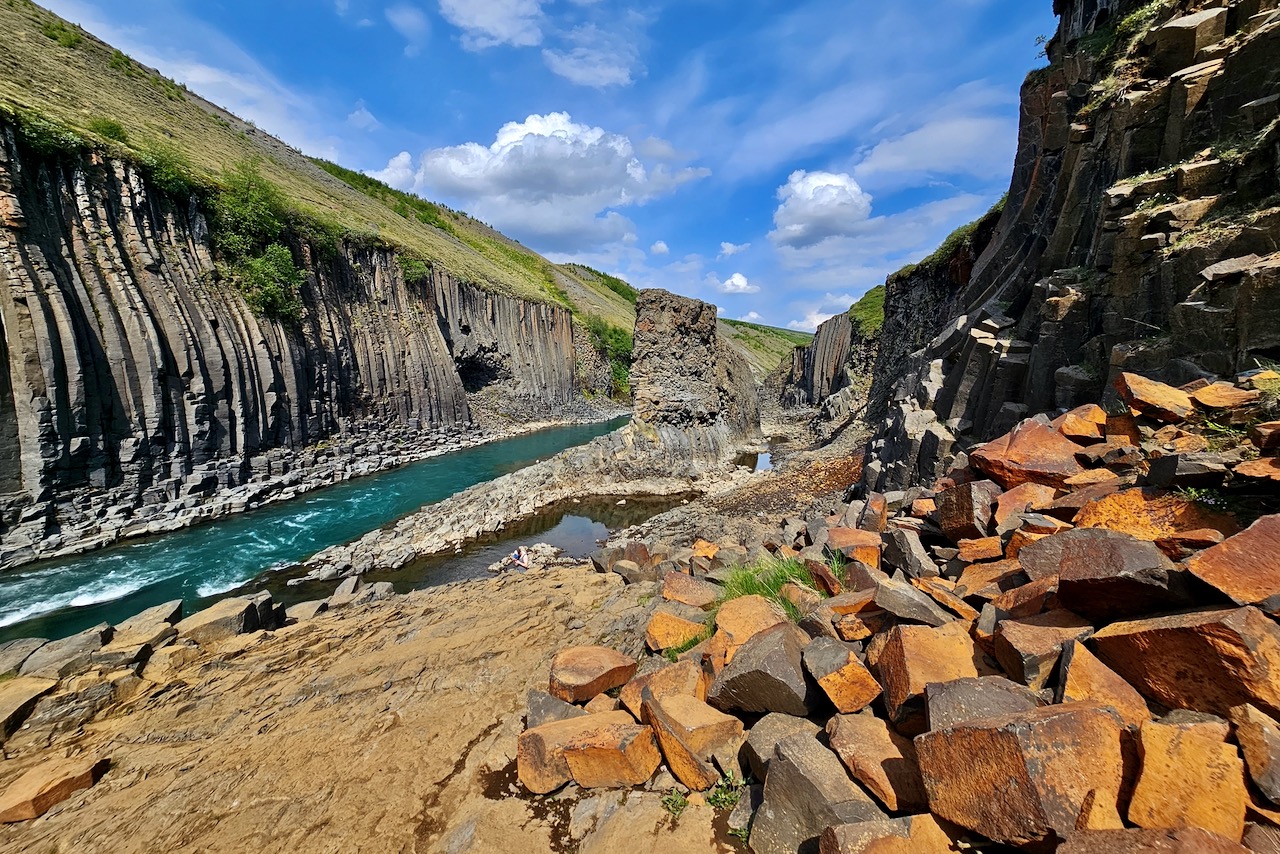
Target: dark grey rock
x=952 y=703
x=765 y=735
x=907 y=603
x=61 y=658
x=903 y=550
x=15 y=652
x=767 y=675
x=545 y=709
x=807 y=790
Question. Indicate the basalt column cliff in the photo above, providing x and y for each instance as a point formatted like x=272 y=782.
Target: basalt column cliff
x=133 y=381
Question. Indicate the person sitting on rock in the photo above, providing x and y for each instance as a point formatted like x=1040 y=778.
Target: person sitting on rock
x=520 y=557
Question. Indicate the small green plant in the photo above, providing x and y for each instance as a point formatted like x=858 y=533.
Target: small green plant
x=616 y=345
x=64 y=35
x=1223 y=437
x=270 y=283
x=415 y=270
x=742 y=833
x=109 y=129
x=727 y=792
x=767 y=579
x=675 y=803
x=121 y=62
x=46 y=137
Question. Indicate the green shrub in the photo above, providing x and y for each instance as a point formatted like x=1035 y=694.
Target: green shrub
x=64 y=35
x=405 y=204
x=109 y=129
x=248 y=212
x=169 y=171
x=615 y=345
x=414 y=270
x=46 y=137
x=270 y=283
x=121 y=62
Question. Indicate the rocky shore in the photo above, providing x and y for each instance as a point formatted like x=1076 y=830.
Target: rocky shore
x=218 y=489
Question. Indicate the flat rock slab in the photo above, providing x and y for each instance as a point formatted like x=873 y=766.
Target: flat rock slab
x=1153 y=514
x=67 y=656
x=47 y=785
x=545 y=709
x=146 y=622
x=581 y=672
x=960 y=700
x=1208 y=661
x=679 y=587
x=1032 y=453
x=806 y=792
x=220 y=621
x=18 y=697
x=1245 y=567
x=1042 y=762
x=1222 y=395
x=1188 y=780
x=880 y=759
x=1154 y=399
x=15 y=652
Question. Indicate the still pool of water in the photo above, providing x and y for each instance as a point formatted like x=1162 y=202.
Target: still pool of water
x=58 y=598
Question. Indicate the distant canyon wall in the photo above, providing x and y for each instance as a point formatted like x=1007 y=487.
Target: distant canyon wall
x=127 y=368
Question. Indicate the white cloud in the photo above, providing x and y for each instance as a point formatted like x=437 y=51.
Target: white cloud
x=595 y=57
x=728 y=250
x=978 y=146
x=660 y=248
x=400 y=171
x=752 y=317
x=361 y=119
x=488 y=23
x=547 y=179
x=816 y=206
x=820 y=310
x=412 y=24
x=735 y=284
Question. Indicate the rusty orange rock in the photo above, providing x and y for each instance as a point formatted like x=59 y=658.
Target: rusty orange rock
x=1020 y=499
x=1042 y=762
x=1027 y=600
x=880 y=759
x=46 y=785
x=667 y=630
x=1153 y=514
x=840 y=675
x=702 y=548
x=923 y=507
x=1085 y=679
x=1186 y=840
x=943 y=592
x=989 y=580
x=679 y=587
x=1225 y=396
x=1154 y=399
x=856 y=544
x=741 y=619
x=914 y=656
x=1209 y=661
x=618 y=756
x=1099 y=812
x=684 y=762
x=964 y=511
x=683 y=677
x=1259 y=738
x=987 y=548
x=1032 y=453
x=1245 y=567
x=581 y=672
x=704 y=730
x=1266 y=436
x=1188 y=780
x=1028 y=649
x=541 y=763
x=1267 y=468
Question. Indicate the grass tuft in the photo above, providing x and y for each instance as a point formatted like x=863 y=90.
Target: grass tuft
x=767 y=579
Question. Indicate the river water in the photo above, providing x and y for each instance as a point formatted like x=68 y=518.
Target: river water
x=257 y=549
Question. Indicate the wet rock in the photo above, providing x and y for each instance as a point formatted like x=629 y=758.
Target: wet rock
x=842 y=677
x=1154 y=399
x=880 y=759
x=1086 y=679
x=1188 y=780
x=49 y=784
x=1209 y=661
x=806 y=792
x=1028 y=649
x=961 y=700
x=581 y=672
x=765 y=735
x=1104 y=575
x=1032 y=453
x=1043 y=762
x=221 y=621
x=68 y=656
x=1245 y=567
x=766 y=675
x=545 y=709
x=1258 y=735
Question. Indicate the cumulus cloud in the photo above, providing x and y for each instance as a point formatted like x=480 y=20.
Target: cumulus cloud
x=412 y=24
x=816 y=206
x=489 y=23
x=728 y=250
x=817 y=311
x=548 y=179
x=752 y=317
x=660 y=248
x=735 y=284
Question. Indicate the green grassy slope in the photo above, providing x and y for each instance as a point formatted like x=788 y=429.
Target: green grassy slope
x=53 y=71
x=764 y=346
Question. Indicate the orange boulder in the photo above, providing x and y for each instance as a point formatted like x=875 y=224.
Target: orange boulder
x=581 y=672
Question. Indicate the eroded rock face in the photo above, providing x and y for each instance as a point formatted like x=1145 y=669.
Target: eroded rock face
x=125 y=371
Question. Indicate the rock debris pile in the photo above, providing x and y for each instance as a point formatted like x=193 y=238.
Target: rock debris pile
x=1067 y=643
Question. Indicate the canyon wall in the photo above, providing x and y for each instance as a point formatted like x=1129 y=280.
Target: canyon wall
x=832 y=372
x=132 y=377
x=1140 y=233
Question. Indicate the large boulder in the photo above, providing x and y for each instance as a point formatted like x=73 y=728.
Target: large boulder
x=767 y=675
x=880 y=759
x=221 y=621
x=1188 y=779
x=68 y=656
x=1245 y=567
x=580 y=673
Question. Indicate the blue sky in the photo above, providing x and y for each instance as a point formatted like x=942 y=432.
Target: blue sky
x=775 y=158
